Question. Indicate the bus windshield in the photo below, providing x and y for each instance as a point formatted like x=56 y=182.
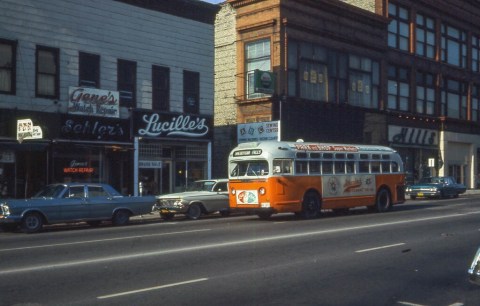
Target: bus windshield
x=250 y=168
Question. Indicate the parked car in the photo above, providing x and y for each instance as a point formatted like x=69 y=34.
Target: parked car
x=474 y=271
x=73 y=202
x=202 y=197
x=435 y=187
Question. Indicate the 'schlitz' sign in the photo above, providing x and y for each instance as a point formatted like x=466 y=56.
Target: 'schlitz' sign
x=93 y=102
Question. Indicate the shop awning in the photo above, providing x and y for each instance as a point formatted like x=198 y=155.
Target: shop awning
x=25 y=146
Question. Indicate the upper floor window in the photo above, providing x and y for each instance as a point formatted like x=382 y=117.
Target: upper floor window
x=476 y=103
x=475 y=53
x=425 y=95
x=191 y=92
x=160 y=88
x=364 y=77
x=257 y=56
x=425 y=35
x=7 y=66
x=127 y=82
x=454 y=99
x=47 y=72
x=398 y=28
x=398 y=88
x=88 y=70
x=454 y=46
x=313 y=72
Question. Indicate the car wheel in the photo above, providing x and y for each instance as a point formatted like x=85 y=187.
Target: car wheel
x=194 y=212
x=383 y=201
x=32 y=222
x=310 y=205
x=412 y=197
x=121 y=217
x=167 y=216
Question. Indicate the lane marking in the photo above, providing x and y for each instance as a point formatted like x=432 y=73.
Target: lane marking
x=151 y=288
x=102 y=240
x=380 y=247
x=409 y=304
x=219 y=245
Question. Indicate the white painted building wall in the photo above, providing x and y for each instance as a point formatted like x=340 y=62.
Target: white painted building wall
x=113 y=30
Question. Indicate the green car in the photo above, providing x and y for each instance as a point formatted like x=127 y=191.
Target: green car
x=435 y=187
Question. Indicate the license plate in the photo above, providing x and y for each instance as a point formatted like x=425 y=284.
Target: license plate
x=164 y=211
x=420 y=194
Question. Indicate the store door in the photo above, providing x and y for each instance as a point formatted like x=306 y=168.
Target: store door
x=156 y=180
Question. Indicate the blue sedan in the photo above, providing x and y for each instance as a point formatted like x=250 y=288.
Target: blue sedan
x=435 y=187
x=72 y=202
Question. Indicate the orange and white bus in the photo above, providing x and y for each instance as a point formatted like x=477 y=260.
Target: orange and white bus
x=305 y=178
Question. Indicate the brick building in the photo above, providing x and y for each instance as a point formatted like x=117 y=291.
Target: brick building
x=398 y=73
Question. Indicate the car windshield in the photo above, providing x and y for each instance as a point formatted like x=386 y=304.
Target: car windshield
x=250 y=168
x=50 y=191
x=201 y=186
x=426 y=180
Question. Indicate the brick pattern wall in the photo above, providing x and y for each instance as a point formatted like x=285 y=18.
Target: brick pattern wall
x=225 y=118
x=368 y=5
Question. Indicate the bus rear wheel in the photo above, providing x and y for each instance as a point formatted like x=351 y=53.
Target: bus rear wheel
x=383 y=201
x=310 y=206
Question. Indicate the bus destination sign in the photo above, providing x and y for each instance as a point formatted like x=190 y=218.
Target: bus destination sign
x=247 y=152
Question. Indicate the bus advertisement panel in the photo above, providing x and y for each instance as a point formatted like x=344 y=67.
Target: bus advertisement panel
x=305 y=178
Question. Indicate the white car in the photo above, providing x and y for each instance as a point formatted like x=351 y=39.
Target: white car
x=202 y=197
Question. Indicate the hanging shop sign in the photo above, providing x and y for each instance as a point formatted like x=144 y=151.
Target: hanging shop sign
x=93 y=102
x=26 y=130
x=258 y=131
x=171 y=125
x=401 y=135
x=264 y=82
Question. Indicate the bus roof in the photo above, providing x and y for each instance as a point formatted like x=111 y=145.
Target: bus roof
x=312 y=147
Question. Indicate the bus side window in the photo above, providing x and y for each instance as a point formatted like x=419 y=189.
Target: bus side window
x=395 y=167
x=363 y=166
x=350 y=167
x=385 y=167
x=375 y=166
x=339 y=167
x=282 y=166
x=301 y=167
x=327 y=167
x=314 y=166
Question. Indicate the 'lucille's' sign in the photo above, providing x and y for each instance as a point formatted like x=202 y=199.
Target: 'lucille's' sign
x=171 y=125
x=93 y=102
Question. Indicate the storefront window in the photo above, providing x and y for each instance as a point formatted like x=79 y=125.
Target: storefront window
x=78 y=164
x=186 y=172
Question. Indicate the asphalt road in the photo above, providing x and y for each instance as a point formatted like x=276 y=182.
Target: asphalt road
x=418 y=254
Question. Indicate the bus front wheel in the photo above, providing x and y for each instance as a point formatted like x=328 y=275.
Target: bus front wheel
x=310 y=205
x=383 y=201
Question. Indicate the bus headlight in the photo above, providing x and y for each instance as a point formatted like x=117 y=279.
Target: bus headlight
x=233 y=191
x=262 y=191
